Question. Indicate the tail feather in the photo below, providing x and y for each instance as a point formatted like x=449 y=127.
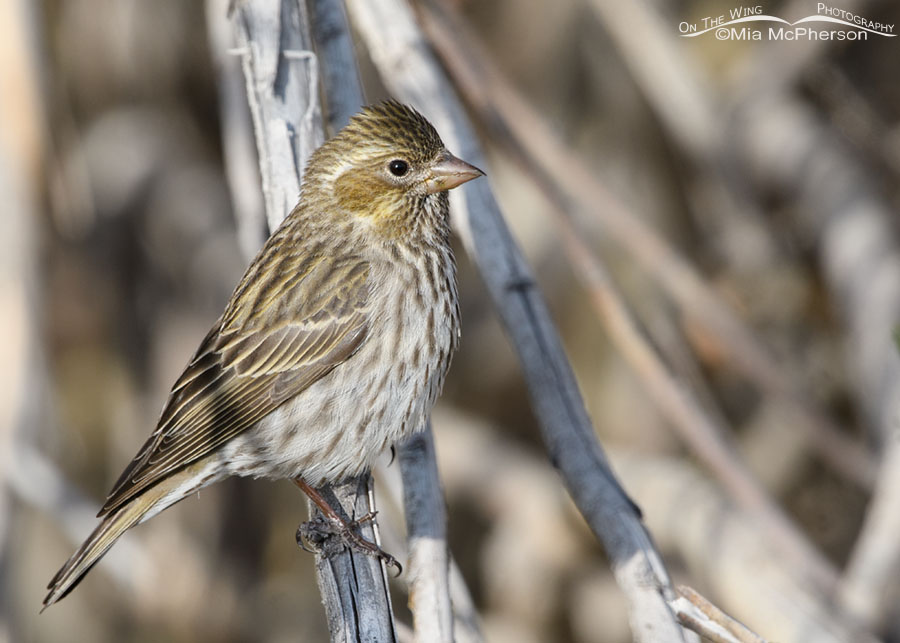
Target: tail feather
x=97 y=544
x=149 y=503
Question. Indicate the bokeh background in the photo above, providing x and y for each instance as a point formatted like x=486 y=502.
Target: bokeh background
x=119 y=249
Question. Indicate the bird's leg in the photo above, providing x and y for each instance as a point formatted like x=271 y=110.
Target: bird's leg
x=348 y=531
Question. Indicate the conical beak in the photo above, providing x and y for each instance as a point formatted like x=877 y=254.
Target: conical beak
x=449 y=172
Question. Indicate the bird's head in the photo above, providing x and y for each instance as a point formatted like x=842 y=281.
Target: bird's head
x=390 y=166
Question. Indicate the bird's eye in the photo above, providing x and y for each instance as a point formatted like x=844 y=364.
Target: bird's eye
x=398 y=167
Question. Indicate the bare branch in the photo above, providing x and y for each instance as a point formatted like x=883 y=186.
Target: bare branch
x=341 y=88
x=466 y=627
x=859 y=246
x=282 y=89
x=698 y=614
x=426 y=524
x=354 y=586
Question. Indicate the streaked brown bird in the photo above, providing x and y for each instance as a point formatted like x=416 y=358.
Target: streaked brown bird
x=333 y=346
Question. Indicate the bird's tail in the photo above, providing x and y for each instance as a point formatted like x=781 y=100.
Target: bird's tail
x=97 y=544
x=164 y=494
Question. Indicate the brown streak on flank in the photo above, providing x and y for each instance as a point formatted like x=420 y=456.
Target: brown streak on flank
x=399 y=326
x=429 y=329
x=371 y=387
x=326 y=408
x=436 y=277
x=331 y=446
x=290 y=435
x=363 y=425
x=383 y=381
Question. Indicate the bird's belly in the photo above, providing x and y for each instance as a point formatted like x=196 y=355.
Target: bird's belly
x=338 y=426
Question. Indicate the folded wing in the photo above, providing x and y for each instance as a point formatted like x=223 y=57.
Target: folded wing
x=289 y=324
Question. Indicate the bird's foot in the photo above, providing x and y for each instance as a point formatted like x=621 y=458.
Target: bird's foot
x=318 y=534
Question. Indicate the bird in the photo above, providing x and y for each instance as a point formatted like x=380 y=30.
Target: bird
x=333 y=346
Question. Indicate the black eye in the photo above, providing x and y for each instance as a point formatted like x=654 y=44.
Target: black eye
x=398 y=167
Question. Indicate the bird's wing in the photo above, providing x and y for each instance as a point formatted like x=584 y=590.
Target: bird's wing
x=289 y=324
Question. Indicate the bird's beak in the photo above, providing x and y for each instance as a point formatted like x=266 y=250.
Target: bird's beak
x=449 y=172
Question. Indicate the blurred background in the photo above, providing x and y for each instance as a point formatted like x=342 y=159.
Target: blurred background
x=770 y=167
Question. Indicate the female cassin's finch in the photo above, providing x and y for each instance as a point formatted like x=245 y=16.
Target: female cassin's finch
x=333 y=346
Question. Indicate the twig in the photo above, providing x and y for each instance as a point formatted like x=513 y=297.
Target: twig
x=423 y=482
x=505 y=464
x=860 y=250
x=426 y=524
x=341 y=89
x=354 y=586
x=408 y=68
x=466 y=627
x=697 y=613
x=283 y=97
x=282 y=88
x=502 y=108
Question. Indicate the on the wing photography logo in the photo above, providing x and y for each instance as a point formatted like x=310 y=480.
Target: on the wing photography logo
x=828 y=23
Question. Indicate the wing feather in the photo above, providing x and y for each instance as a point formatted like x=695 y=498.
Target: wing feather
x=286 y=327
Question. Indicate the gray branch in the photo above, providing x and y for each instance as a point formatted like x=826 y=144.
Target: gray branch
x=426 y=524
x=282 y=89
x=342 y=92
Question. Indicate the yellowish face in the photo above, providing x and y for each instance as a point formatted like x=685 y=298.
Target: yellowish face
x=386 y=176
x=386 y=166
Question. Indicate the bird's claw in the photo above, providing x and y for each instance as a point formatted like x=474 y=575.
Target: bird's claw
x=315 y=535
